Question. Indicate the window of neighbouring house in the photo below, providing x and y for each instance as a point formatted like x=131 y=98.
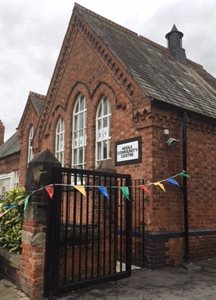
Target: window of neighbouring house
x=59 y=141
x=79 y=133
x=30 y=148
x=16 y=178
x=103 y=130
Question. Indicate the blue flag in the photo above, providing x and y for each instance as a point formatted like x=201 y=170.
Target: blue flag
x=103 y=191
x=173 y=181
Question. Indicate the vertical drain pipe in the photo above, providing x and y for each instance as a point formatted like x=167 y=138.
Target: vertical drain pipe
x=186 y=256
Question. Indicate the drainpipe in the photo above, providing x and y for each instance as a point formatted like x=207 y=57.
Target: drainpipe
x=186 y=256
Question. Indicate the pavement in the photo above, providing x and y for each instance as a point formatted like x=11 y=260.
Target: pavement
x=196 y=281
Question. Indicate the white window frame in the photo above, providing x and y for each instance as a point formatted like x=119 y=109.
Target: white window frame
x=15 y=178
x=30 y=142
x=79 y=139
x=103 y=131
x=59 y=141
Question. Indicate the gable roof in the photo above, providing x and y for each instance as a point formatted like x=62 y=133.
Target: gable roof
x=38 y=101
x=11 y=146
x=154 y=68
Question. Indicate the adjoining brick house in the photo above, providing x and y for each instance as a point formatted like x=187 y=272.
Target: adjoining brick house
x=111 y=86
x=16 y=152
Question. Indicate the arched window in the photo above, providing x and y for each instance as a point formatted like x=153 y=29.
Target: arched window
x=103 y=130
x=30 y=148
x=79 y=133
x=59 y=141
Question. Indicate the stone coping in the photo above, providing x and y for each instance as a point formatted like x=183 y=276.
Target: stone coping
x=13 y=259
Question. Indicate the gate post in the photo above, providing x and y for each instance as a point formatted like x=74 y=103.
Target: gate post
x=31 y=274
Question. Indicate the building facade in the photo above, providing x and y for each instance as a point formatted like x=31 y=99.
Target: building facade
x=118 y=97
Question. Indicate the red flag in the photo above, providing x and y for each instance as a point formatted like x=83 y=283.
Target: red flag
x=144 y=188
x=50 y=190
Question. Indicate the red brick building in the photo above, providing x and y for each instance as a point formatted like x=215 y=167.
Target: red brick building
x=112 y=87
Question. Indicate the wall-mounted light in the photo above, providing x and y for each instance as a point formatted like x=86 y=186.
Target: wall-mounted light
x=171 y=142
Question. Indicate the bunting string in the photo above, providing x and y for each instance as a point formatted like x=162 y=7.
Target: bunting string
x=103 y=189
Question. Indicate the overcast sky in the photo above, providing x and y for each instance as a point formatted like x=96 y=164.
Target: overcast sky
x=32 y=31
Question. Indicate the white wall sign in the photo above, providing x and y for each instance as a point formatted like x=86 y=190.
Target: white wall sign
x=128 y=151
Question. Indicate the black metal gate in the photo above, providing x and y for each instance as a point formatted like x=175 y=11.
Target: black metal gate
x=88 y=231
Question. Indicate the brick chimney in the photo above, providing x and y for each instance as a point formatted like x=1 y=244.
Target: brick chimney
x=2 y=130
x=174 y=38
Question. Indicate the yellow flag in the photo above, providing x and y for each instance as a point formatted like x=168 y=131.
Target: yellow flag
x=81 y=189
x=160 y=185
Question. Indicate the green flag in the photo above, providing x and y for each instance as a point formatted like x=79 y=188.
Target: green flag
x=125 y=191
x=184 y=174
x=26 y=201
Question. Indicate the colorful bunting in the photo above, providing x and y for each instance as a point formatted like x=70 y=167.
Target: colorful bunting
x=125 y=191
x=173 y=182
x=184 y=174
x=144 y=188
x=81 y=189
x=103 y=191
x=160 y=185
x=9 y=207
x=50 y=190
x=26 y=202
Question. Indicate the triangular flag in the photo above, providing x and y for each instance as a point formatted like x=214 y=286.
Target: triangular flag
x=144 y=188
x=173 y=181
x=104 y=191
x=160 y=185
x=26 y=201
x=10 y=206
x=125 y=191
x=2 y=213
x=50 y=190
x=81 y=189
x=184 y=174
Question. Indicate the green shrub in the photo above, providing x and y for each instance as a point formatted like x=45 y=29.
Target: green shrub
x=11 y=222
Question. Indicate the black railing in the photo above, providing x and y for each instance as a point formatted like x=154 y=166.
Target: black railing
x=88 y=237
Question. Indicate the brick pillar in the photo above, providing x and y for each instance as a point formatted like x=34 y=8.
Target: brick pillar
x=2 y=130
x=31 y=273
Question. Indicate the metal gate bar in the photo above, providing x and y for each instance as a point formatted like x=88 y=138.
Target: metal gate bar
x=83 y=246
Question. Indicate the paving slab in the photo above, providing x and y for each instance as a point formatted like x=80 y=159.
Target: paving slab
x=196 y=282
x=8 y=291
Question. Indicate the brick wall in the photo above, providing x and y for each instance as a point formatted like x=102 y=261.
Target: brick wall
x=9 y=164
x=29 y=120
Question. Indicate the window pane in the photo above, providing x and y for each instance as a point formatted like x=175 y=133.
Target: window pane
x=105 y=122
x=75 y=156
x=99 y=151
x=105 y=107
x=81 y=103
x=78 y=138
x=80 y=155
x=81 y=122
x=103 y=130
x=75 y=123
x=105 y=150
x=100 y=109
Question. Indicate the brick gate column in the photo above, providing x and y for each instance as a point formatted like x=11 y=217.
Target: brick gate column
x=31 y=274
